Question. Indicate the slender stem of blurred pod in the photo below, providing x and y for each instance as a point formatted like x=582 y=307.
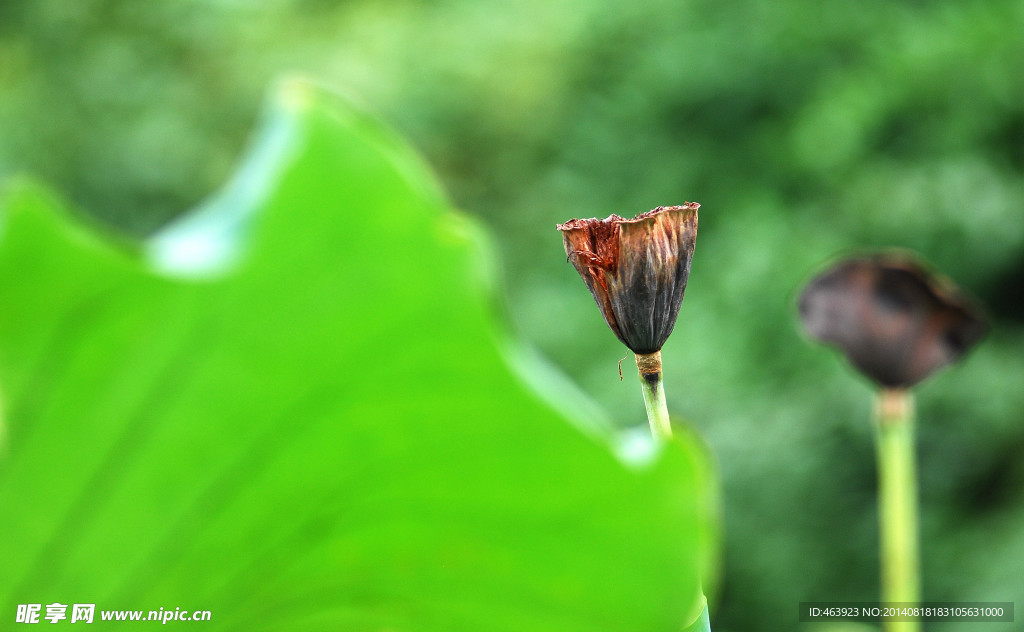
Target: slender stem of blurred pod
x=897 y=502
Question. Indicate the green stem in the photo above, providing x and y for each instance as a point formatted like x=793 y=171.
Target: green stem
x=654 y=394
x=651 y=383
x=897 y=502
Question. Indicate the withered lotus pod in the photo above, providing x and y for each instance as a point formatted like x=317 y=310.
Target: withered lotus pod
x=896 y=322
x=636 y=269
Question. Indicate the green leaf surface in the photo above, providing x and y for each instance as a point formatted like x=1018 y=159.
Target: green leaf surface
x=294 y=409
x=702 y=623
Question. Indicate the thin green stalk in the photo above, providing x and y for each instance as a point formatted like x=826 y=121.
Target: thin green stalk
x=897 y=502
x=649 y=366
x=654 y=394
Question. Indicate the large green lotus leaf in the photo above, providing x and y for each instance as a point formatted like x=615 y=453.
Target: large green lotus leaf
x=294 y=409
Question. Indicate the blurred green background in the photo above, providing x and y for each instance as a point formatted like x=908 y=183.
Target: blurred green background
x=805 y=129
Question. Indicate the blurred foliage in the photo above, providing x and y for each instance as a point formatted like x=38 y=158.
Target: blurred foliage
x=270 y=445
x=805 y=129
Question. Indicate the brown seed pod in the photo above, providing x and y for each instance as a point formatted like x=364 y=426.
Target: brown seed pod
x=636 y=269
x=896 y=322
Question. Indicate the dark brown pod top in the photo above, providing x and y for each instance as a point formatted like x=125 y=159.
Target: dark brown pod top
x=895 y=321
x=636 y=269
